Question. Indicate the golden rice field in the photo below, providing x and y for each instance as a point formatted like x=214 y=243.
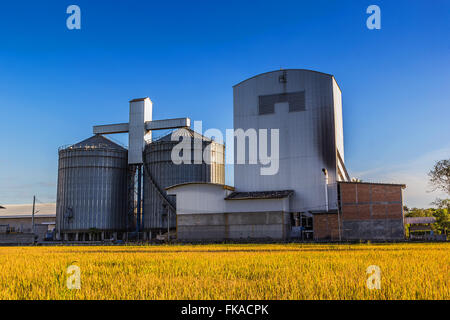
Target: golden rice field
x=226 y=271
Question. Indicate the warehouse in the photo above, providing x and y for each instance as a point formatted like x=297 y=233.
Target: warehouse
x=16 y=222
x=311 y=195
x=18 y=217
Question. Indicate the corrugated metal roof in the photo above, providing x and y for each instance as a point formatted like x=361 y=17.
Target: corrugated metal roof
x=278 y=194
x=419 y=220
x=24 y=210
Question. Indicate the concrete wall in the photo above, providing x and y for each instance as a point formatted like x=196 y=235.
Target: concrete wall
x=24 y=237
x=16 y=238
x=233 y=226
x=198 y=198
x=376 y=229
x=326 y=228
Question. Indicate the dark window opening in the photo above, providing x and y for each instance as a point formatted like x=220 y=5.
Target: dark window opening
x=296 y=101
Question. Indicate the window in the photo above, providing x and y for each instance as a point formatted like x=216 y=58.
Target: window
x=296 y=101
x=267 y=104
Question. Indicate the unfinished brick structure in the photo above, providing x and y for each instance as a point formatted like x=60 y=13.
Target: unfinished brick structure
x=369 y=211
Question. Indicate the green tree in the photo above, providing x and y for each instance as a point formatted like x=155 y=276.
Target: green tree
x=440 y=180
x=442 y=215
x=440 y=176
x=417 y=212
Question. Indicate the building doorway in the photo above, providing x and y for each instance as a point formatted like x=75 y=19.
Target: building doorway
x=302 y=226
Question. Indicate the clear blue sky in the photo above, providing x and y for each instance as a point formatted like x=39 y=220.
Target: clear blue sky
x=55 y=83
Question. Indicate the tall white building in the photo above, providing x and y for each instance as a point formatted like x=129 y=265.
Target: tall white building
x=306 y=107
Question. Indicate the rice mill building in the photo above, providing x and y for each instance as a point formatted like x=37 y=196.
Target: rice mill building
x=311 y=195
x=108 y=191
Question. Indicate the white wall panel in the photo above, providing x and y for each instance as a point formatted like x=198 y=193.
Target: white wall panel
x=198 y=198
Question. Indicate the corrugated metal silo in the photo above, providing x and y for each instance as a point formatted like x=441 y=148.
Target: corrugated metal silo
x=92 y=189
x=160 y=172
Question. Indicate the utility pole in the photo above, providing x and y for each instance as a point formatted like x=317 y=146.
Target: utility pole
x=32 y=216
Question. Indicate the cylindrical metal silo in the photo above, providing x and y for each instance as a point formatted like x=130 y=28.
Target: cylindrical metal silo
x=92 y=190
x=160 y=172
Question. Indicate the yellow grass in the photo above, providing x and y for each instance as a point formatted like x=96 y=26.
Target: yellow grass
x=291 y=271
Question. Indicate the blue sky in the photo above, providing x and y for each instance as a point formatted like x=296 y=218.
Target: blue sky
x=55 y=83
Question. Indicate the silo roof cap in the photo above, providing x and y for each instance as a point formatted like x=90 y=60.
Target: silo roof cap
x=284 y=70
x=183 y=132
x=98 y=141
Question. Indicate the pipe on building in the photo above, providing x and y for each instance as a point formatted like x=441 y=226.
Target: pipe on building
x=325 y=172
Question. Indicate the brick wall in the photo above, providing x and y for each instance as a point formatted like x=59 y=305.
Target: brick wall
x=326 y=226
x=362 y=201
x=371 y=211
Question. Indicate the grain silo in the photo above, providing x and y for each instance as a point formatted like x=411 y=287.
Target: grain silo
x=92 y=190
x=160 y=172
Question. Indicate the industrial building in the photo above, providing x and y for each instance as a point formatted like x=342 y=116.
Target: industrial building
x=16 y=222
x=106 y=191
x=311 y=196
